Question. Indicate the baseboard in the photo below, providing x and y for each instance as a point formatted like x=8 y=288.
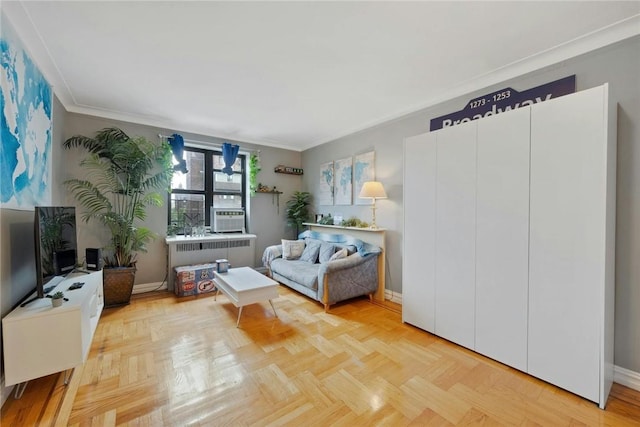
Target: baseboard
x=392 y=296
x=148 y=287
x=626 y=377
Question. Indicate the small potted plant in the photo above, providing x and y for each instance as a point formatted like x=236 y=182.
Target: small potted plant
x=57 y=298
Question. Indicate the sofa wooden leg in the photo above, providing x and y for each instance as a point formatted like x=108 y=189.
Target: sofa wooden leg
x=370 y=297
x=326 y=308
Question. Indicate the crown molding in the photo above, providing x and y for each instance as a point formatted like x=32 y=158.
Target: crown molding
x=171 y=125
x=40 y=55
x=616 y=32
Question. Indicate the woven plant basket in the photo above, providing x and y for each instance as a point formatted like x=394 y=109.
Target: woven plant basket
x=118 y=285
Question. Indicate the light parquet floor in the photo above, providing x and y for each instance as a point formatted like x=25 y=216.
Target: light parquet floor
x=164 y=361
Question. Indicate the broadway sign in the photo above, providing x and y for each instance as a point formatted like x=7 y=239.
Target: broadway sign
x=505 y=100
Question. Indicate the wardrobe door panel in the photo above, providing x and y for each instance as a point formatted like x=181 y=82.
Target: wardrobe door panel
x=567 y=241
x=455 y=234
x=502 y=237
x=418 y=265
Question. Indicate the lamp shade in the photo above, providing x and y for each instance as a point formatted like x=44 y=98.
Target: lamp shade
x=372 y=190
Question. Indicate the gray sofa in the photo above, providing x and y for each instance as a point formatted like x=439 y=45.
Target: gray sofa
x=327 y=281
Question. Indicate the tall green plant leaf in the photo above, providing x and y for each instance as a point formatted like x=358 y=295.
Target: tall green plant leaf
x=125 y=175
x=298 y=209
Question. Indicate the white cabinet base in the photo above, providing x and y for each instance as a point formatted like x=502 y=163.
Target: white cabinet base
x=40 y=340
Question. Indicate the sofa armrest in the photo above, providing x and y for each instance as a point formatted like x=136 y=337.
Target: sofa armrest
x=351 y=261
x=345 y=278
x=270 y=253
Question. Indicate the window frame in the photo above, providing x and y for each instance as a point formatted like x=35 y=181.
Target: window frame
x=209 y=192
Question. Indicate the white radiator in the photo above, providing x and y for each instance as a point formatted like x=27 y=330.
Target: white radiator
x=239 y=249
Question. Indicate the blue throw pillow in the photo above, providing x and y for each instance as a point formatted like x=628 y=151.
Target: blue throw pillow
x=311 y=250
x=326 y=251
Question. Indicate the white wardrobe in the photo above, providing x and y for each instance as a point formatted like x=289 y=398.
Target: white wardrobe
x=509 y=238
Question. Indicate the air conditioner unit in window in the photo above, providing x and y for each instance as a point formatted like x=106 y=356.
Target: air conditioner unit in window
x=227 y=220
x=224 y=182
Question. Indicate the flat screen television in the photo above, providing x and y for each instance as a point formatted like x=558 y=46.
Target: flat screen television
x=56 y=247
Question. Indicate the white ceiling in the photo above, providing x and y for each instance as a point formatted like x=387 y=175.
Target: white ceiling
x=296 y=74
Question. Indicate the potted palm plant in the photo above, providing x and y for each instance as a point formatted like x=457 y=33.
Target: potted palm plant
x=125 y=175
x=298 y=210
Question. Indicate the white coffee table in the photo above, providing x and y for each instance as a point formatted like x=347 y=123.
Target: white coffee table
x=244 y=286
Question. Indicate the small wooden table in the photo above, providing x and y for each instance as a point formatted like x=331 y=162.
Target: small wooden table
x=244 y=286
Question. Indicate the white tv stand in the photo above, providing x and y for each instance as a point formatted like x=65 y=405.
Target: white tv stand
x=40 y=340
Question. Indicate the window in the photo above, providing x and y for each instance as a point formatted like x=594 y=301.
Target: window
x=205 y=186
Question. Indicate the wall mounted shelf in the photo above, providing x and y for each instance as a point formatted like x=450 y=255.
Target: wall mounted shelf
x=275 y=197
x=288 y=170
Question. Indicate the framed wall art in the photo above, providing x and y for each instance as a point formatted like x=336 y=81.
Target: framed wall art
x=325 y=194
x=363 y=171
x=342 y=170
x=25 y=125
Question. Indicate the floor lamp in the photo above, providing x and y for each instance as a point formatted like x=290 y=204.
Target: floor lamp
x=373 y=190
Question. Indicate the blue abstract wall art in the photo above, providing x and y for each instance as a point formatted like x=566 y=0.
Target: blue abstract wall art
x=25 y=126
x=363 y=171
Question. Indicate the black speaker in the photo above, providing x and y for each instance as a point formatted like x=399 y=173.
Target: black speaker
x=64 y=261
x=94 y=258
